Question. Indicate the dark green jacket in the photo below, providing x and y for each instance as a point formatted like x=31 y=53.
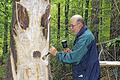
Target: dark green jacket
x=84 y=56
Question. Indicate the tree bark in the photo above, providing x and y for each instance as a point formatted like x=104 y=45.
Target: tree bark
x=58 y=32
x=115 y=31
x=86 y=11
x=30 y=40
x=115 y=19
x=94 y=18
x=66 y=17
x=115 y=26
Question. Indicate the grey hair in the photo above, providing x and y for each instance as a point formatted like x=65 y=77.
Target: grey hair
x=80 y=19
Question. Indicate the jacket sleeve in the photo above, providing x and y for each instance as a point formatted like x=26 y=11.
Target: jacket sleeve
x=80 y=49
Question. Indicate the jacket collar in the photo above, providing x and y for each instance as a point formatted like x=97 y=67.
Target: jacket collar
x=82 y=30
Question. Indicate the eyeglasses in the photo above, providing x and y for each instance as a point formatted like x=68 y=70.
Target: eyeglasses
x=72 y=25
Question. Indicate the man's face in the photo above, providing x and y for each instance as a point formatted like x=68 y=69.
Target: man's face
x=74 y=26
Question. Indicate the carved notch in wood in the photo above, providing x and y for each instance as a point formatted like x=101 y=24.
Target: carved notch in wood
x=36 y=54
x=45 y=21
x=23 y=17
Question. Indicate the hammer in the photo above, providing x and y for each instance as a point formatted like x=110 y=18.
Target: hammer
x=45 y=56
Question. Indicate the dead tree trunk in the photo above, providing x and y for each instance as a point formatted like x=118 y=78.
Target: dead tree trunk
x=29 y=39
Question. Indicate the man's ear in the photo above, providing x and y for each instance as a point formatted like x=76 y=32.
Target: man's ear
x=80 y=24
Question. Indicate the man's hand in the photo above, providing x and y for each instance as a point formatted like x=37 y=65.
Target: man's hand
x=53 y=51
x=66 y=50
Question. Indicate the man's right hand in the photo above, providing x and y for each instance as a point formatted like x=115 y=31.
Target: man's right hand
x=53 y=51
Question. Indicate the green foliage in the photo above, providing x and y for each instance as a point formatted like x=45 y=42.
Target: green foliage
x=2 y=71
x=5 y=18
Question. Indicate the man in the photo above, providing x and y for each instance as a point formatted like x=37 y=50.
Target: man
x=83 y=56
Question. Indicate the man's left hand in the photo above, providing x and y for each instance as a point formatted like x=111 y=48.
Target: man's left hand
x=66 y=50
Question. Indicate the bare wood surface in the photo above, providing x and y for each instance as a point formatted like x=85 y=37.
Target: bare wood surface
x=109 y=63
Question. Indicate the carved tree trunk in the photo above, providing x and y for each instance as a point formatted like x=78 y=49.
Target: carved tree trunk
x=30 y=39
